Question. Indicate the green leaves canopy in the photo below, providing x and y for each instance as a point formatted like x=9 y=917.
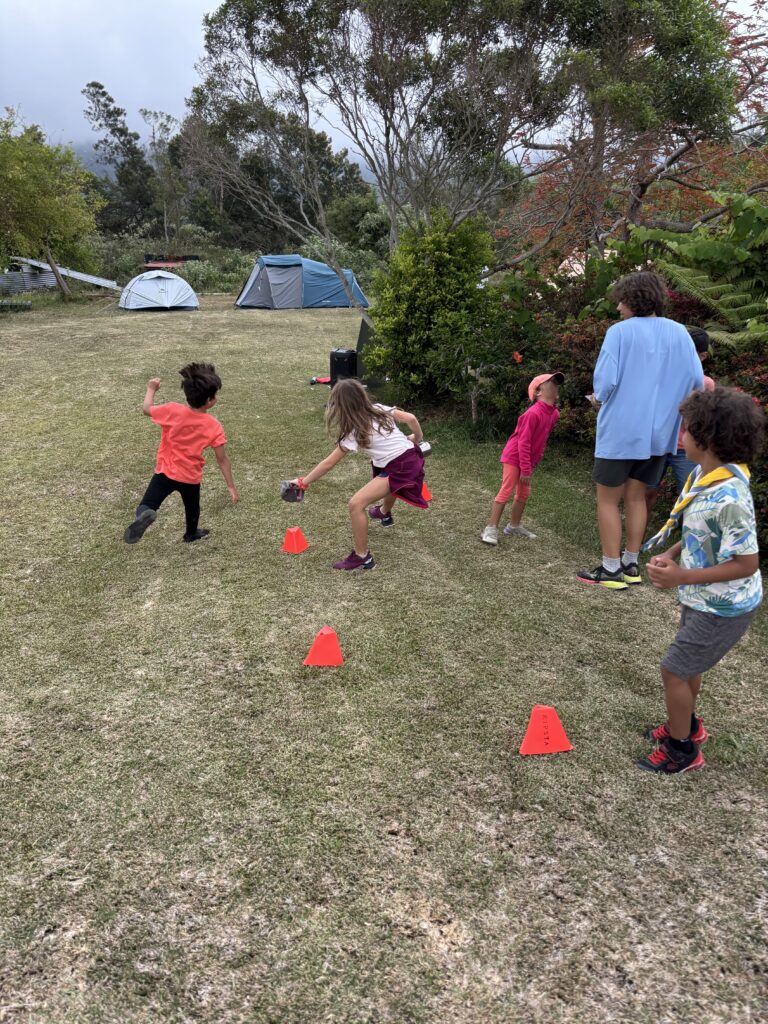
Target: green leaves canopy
x=48 y=198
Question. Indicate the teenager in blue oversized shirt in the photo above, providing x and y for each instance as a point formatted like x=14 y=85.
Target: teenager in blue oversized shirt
x=647 y=365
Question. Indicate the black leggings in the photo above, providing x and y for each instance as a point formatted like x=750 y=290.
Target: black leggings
x=160 y=486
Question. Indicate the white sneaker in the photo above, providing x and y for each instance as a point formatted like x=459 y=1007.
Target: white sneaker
x=490 y=535
x=518 y=531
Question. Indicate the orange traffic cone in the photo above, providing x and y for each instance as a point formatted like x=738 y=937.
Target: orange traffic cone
x=325 y=649
x=425 y=492
x=294 y=541
x=545 y=733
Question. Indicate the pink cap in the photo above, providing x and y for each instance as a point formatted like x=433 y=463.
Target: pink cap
x=537 y=381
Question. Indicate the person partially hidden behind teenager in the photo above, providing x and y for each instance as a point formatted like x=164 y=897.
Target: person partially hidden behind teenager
x=187 y=430
x=718 y=576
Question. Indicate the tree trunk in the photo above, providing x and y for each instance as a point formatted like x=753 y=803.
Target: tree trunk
x=66 y=294
x=333 y=263
x=596 y=203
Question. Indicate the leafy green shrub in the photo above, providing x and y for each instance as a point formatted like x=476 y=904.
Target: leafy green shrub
x=226 y=274
x=437 y=327
x=121 y=257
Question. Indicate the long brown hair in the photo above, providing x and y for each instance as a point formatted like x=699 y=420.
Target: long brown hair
x=350 y=411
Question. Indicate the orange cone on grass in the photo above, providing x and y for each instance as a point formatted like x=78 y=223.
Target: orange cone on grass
x=425 y=492
x=325 y=649
x=294 y=541
x=545 y=733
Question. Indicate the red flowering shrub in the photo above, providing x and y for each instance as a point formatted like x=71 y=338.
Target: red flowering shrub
x=686 y=310
x=747 y=369
x=572 y=347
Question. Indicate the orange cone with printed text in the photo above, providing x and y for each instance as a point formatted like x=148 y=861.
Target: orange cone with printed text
x=425 y=492
x=325 y=649
x=545 y=733
x=294 y=541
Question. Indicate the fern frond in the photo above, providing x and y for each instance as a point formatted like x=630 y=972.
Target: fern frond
x=692 y=285
x=734 y=339
x=750 y=310
x=732 y=299
x=758 y=240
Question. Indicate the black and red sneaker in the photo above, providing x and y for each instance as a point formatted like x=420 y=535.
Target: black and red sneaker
x=658 y=733
x=667 y=760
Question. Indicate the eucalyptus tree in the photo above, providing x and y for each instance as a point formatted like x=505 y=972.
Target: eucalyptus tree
x=430 y=96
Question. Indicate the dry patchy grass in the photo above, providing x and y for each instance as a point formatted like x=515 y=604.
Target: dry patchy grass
x=196 y=828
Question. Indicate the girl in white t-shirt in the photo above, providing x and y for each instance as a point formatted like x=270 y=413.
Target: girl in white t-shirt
x=398 y=465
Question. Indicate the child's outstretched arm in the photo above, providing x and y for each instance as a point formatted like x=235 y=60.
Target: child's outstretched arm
x=149 y=398
x=226 y=471
x=323 y=467
x=408 y=418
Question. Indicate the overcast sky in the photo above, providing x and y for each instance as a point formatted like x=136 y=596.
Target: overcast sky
x=142 y=51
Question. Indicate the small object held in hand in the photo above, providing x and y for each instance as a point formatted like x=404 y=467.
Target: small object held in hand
x=425 y=448
x=290 y=491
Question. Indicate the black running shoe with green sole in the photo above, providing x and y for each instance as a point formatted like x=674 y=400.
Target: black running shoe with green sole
x=602 y=578
x=632 y=574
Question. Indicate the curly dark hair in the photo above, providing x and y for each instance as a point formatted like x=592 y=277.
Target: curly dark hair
x=200 y=382
x=644 y=292
x=725 y=421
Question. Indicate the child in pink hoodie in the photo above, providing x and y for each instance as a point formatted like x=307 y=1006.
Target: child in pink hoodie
x=522 y=453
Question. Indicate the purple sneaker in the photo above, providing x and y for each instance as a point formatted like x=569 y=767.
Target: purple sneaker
x=376 y=512
x=354 y=561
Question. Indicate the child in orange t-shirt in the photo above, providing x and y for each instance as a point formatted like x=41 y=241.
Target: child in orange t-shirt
x=187 y=430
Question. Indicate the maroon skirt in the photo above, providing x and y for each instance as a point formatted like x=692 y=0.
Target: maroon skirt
x=406 y=477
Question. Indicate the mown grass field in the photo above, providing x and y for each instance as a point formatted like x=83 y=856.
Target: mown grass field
x=197 y=828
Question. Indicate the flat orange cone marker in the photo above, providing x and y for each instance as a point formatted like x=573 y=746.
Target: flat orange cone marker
x=294 y=541
x=425 y=492
x=545 y=733
x=325 y=649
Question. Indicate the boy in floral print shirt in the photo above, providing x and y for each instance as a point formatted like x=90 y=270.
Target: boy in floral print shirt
x=718 y=577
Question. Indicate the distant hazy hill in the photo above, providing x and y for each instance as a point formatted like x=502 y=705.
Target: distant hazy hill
x=88 y=157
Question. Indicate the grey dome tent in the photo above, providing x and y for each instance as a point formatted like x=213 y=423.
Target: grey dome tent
x=158 y=289
x=292 y=282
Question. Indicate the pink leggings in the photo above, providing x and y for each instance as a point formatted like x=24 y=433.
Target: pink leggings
x=511 y=482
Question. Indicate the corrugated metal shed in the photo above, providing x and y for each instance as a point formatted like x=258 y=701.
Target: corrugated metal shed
x=100 y=282
x=18 y=281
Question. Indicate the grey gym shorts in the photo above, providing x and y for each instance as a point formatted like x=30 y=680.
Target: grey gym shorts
x=615 y=472
x=702 y=640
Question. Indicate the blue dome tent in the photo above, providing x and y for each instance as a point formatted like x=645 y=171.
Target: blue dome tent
x=292 y=282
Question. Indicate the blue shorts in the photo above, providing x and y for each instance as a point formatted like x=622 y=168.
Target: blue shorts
x=682 y=467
